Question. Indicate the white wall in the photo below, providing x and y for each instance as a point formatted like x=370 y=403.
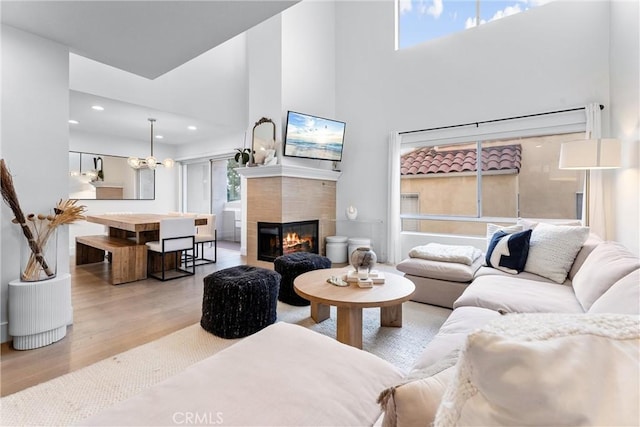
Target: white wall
x=308 y=59
x=264 y=73
x=223 y=146
x=625 y=117
x=548 y=58
x=35 y=140
x=117 y=146
x=308 y=66
x=291 y=64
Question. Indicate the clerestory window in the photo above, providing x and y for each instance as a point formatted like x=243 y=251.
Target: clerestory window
x=420 y=20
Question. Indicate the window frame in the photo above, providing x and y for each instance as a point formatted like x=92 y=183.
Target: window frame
x=561 y=122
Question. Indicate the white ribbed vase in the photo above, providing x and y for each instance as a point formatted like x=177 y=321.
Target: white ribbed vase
x=39 y=312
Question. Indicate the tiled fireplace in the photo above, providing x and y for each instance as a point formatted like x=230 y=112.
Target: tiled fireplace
x=287 y=195
x=275 y=239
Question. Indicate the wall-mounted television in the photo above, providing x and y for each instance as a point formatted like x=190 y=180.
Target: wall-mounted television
x=313 y=137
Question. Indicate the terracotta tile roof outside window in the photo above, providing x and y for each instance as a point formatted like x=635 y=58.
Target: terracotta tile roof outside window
x=429 y=160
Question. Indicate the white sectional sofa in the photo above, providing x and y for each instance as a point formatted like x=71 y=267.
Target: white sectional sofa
x=605 y=278
x=287 y=375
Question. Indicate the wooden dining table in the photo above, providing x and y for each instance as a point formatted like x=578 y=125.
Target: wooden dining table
x=141 y=227
x=144 y=227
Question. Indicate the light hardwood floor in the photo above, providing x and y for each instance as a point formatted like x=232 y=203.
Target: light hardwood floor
x=109 y=320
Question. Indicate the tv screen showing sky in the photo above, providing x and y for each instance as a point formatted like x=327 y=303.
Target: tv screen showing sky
x=313 y=137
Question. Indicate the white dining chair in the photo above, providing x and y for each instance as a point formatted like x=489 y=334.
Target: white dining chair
x=177 y=235
x=206 y=233
x=186 y=256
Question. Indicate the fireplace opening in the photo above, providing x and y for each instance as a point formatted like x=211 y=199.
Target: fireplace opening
x=276 y=239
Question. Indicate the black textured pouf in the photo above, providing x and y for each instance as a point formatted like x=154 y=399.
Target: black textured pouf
x=291 y=266
x=239 y=301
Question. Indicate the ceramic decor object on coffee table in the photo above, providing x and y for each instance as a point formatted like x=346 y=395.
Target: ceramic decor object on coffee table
x=350 y=300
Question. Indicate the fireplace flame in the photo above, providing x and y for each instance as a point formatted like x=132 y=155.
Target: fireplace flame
x=277 y=239
x=294 y=241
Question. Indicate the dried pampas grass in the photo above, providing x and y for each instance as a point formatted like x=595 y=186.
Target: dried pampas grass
x=37 y=229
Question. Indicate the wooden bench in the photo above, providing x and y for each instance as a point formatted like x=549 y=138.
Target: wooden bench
x=128 y=259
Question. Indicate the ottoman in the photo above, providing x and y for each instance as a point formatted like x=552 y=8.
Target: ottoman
x=291 y=266
x=437 y=282
x=239 y=301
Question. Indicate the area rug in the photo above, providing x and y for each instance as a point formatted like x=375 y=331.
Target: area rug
x=75 y=396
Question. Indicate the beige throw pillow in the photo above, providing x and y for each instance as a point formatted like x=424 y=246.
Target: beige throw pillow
x=415 y=403
x=415 y=400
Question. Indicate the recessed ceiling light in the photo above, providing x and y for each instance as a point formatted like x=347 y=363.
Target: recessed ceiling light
x=73 y=122
x=192 y=127
x=159 y=136
x=97 y=107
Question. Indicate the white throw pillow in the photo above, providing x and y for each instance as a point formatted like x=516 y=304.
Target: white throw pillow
x=553 y=248
x=530 y=224
x=547 y=369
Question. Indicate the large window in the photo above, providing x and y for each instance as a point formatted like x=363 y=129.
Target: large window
x=197 y=187
x=458 y=191
x=208 y=184
x=410 y=204
x=422 y=20
x=233 y=181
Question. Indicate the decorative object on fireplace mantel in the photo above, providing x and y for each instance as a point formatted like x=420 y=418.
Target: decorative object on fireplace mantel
x=352 y=213
x=263 y=142
x=243 y=156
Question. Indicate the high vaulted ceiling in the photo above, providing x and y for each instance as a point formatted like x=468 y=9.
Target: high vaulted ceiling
x=148 y=38
x=154 y=40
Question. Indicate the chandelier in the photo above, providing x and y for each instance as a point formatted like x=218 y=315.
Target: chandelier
x=149 y=162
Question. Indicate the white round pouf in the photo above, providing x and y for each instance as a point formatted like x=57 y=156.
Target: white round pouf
x=358 y=242
x=336 y=248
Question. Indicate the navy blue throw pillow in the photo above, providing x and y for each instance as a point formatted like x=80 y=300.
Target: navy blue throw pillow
x=508 y=252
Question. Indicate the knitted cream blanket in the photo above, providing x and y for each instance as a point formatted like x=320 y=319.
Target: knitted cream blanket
x=511 y=387
x=446 y=253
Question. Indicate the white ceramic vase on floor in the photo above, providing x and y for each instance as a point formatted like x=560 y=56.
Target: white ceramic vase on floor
x=39 y=312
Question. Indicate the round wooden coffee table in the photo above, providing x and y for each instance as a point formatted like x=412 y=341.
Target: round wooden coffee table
x=350 y=300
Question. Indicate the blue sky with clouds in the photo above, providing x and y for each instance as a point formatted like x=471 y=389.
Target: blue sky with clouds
x=422 y=20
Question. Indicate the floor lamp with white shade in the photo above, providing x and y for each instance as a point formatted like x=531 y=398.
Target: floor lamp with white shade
x=589 y=154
